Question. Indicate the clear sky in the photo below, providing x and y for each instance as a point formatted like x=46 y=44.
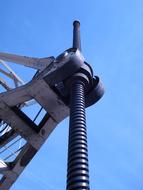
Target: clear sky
x=112 y=42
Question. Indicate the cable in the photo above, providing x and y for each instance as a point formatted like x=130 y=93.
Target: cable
x=14 y=153
x=7 y=147
x=38 y=114
x=4 y=128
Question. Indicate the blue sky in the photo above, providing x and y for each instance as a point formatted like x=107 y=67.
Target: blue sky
x=112 y=42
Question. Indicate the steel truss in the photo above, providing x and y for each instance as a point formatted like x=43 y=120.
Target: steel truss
x=20 y=135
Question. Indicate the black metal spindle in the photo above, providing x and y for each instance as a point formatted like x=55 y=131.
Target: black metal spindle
x=78 y=172
x=76 y=35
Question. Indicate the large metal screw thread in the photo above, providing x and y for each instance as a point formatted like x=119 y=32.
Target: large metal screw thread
x=78 y=172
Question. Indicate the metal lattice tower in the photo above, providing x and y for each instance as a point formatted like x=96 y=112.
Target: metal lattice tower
x=62 y=86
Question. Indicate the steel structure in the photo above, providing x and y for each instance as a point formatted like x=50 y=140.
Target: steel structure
x=59 y=87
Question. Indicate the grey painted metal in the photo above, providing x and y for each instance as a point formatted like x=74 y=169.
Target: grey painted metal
x=3 y=166
x=40 y=91
x=4 y=84
x=35 y=63
x=24 y=157
x=7 y=137
x=43 y=90
x=15 y=78
x=12 y=74
x=20 y=126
